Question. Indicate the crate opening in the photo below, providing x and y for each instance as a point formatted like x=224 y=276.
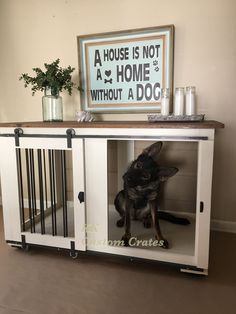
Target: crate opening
x=177 y=196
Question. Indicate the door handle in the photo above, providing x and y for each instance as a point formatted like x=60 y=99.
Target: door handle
x=201 y=207
x=81 y=197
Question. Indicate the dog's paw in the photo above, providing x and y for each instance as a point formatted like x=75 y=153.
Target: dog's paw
x=120 y=222
x=163 y=243
x=147 y=222
x=126 y=239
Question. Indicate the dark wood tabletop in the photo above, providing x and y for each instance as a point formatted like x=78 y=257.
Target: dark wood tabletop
x=207 y=124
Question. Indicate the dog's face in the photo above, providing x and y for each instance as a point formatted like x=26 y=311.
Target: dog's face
x=145 y=169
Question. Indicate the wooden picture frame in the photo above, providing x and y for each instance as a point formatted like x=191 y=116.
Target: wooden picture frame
x=125 y=71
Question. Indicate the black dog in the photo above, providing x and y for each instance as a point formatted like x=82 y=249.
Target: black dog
x=142 y=183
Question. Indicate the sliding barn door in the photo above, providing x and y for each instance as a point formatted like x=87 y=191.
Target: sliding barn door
x=41 y=181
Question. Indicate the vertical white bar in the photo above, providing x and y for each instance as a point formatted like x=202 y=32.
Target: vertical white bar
x=78 y=186
x=125 y=155
x=10 y=194
x=96 y=191
x=204 y=186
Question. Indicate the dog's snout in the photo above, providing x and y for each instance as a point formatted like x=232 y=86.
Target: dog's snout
x=146 y=175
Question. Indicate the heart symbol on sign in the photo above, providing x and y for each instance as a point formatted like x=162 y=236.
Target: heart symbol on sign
x=108 y=73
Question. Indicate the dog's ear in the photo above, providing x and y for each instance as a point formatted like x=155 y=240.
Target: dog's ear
x=164 y=173
x=153 y=149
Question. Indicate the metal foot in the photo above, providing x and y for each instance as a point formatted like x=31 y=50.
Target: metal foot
x=25 y=248
x=74 y=255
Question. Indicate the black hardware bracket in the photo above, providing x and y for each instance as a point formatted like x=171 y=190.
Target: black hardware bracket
x=70 y=133
x=73 y=252
x=18 y=132
x=23 y=242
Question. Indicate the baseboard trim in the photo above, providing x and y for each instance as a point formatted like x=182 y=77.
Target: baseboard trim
x=223 y=226
x=216 y=225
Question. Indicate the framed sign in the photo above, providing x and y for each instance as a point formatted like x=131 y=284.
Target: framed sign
x=125 y=71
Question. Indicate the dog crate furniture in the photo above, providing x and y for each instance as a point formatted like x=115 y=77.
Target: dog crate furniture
x=55 y=186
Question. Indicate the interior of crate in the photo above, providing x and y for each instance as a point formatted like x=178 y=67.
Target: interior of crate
x=59 y=214
x=178 y=197
x=181 y=239
x=46 y=191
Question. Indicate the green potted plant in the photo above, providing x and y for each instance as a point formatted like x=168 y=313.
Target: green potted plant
x=51 y=81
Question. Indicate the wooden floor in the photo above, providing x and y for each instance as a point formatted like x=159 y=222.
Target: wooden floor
x=46 y=282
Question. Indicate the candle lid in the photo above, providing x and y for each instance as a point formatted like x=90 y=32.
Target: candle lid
x=165 y=92
x=179 y=89
x=190 y=89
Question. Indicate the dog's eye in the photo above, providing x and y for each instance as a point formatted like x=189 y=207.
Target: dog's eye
x=138 y=165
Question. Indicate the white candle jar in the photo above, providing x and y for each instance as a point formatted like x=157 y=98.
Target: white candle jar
x=190 y=100
x=179 y=101
x=165 y=101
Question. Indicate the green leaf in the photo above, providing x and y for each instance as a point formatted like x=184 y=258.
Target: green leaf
x=53 y=77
